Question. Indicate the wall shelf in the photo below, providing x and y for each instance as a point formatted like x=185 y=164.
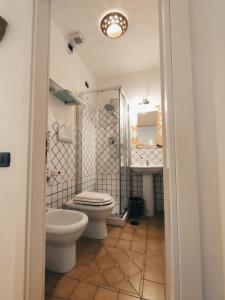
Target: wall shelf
x=64 y=95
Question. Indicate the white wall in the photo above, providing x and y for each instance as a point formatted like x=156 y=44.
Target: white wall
x=15 y=79
x=136 y=85
x=208 y=52
x=69 y=71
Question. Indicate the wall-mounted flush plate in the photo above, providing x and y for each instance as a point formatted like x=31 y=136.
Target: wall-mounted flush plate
x=5 y=159
x=3 y=26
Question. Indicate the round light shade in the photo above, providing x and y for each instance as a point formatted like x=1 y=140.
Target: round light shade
x=114 y=24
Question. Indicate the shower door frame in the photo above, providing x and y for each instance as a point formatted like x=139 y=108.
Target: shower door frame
x=181 y=240
x=120 y=94
x=126 y=149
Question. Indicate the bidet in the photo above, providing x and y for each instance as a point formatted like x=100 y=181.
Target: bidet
x=63 y=229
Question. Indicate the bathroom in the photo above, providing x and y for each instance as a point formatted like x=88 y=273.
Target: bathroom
x=104 y=136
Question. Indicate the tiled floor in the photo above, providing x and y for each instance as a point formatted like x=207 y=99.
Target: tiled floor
x=128 y=265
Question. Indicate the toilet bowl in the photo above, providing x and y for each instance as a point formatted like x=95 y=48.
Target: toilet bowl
x=63 y=229
x=97 y=215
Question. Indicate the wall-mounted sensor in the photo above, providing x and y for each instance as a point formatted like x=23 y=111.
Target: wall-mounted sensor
x=75 y=39
x=3 y=26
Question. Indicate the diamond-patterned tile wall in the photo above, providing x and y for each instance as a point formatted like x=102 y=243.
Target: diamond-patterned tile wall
x=108 y=160
x=137 y=189
x=90 y=163
x=63 y=158
x=108 y=151
x=153 y=155
x=110 y=184
x=158 y=191
x=88 y=138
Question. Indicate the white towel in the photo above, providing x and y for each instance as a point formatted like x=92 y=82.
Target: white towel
x=92 y=196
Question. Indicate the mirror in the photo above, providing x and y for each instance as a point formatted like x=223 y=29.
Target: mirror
x=148 y=130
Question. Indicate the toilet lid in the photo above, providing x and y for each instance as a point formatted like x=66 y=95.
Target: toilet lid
x=93 y=199
x=92 y=202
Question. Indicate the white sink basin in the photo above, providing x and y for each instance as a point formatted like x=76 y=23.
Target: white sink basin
x=148 y=170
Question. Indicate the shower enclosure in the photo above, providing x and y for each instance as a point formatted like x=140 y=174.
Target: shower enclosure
x=108 y=145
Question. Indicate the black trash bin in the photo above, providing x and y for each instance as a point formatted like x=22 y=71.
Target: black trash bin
x=135 y=207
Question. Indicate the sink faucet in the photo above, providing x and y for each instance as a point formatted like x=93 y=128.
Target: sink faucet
x=147 y=162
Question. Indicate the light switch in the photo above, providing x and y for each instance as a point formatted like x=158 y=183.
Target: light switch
x=5 y=158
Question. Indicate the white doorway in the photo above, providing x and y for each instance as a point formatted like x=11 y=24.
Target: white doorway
x=180 y=182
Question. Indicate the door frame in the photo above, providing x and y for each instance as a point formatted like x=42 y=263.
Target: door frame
x=183 y=253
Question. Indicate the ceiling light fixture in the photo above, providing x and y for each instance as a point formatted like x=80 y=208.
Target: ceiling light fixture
x=114 y=24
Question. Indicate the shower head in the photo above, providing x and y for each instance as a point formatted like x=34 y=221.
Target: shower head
x=110 y=108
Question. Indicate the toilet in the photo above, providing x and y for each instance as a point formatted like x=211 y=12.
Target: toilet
x=97 y=206
x=63 y=229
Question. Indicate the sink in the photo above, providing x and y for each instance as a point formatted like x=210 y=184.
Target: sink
x=147 y=171
x=144 y=169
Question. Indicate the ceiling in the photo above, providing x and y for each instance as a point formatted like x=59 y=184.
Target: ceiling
x=136 y=50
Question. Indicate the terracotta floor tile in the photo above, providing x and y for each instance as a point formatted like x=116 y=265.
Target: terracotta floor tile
x=139 y=237
x=113 y=275
x=153 y=291
x=153 y=231
x=139 y=262
x=141 y=231
x=154 y=273
x=51 y=297
x=78 y=272
x=115 y=232
x=124 y=244
x=92 y=268
x=105 y=262
x=135 y=281
x=133 y=254
x=96 y=279
x=127 y=236
x=155 y=250
x=120 y=257
x=64 y=287
x=50 y=280
x=111 y=250
x=110 y=242
x=129 y=268
x=154 y=243
x=102 y=252
x=138 y=246
x=125 y=286
x=94 y=247
x=155 y=260
x=84 y=291
x=129 y=229
x=127 y=297
x=82 y=271
x=84 y=258
x=118 y=264
x=105 y=294
x=155 y=239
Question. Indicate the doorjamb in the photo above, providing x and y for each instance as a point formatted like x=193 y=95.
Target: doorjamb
x=182 y=218
x=181 y=197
